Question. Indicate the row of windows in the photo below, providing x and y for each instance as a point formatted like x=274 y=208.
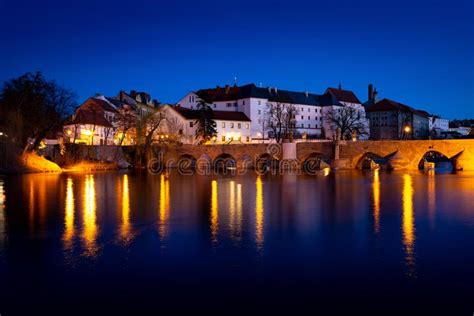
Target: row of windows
x=309 y=126
x=309 y=118
x=224 y=138
x=223 y=125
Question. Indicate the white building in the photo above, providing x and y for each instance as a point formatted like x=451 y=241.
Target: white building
x=91 y=123
x=462 y=130
x=181 y=123
x=437 y=125
x=253 y=102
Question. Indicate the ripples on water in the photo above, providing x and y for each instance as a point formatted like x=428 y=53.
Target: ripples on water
x=355 y=235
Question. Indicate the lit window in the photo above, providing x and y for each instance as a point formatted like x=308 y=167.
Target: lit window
x=223 y=138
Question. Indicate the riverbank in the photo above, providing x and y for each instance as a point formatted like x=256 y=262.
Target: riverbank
x=29 y=163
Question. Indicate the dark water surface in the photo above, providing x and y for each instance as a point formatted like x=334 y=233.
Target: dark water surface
x=135 y=242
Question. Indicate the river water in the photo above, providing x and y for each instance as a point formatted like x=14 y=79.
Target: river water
x=343 y=241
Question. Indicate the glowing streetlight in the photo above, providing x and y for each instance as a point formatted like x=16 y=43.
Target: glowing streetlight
x=407 y=129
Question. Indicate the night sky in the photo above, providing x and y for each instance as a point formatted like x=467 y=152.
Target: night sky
x=421 y=54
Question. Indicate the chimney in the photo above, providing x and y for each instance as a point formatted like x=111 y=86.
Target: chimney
x=276 y=90
x=269 y=89
x=133 y=94
x=306 y=93
x=227 y=89
x=371 y=92
x=375 y=94
x=340 y=86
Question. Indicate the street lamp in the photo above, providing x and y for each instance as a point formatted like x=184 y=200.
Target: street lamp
x=407 y=130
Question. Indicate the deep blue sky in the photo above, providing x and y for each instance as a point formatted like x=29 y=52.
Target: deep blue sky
x=421 y=54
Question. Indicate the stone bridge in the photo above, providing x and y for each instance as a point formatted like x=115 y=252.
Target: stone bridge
x=400 y=155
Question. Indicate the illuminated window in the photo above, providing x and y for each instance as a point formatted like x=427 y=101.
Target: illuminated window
x=223 y=138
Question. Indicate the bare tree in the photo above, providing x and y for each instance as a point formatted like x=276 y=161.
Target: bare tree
x=348 y=119
x=147 y=126
x=174 y=128
x=126 y=123
x=280 y=119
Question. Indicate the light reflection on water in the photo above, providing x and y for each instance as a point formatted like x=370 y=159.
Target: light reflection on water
x=2 y=214
x=376 y=198
x=321 y=225
x=125 y=231
x=259 y=212
x=89 y=216
x=69 y=215
x=408 y=223
x=164 y=206
x=214 y=211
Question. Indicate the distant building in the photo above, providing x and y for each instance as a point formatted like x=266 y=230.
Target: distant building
x=141 y=101
x=437 y=125
x=393 y=120
x=253 y=102
x=461 y=130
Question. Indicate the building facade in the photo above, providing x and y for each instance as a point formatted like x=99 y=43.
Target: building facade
x=393 y=120
x=91 y=124
x=180 y=124
x=308 y=109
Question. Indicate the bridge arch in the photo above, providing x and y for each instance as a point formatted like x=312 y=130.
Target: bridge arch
x=436 y=160
x=369 y=160
x=266 y=161
x=315 y=161
x=224 y=162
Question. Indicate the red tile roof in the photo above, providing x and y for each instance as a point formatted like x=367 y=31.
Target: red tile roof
x=217 y=115
x=343 y=95
x=92 y=112
x=90 y=117
x=390 y=105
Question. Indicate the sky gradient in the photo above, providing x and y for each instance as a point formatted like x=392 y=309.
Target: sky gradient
x=417 y=53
